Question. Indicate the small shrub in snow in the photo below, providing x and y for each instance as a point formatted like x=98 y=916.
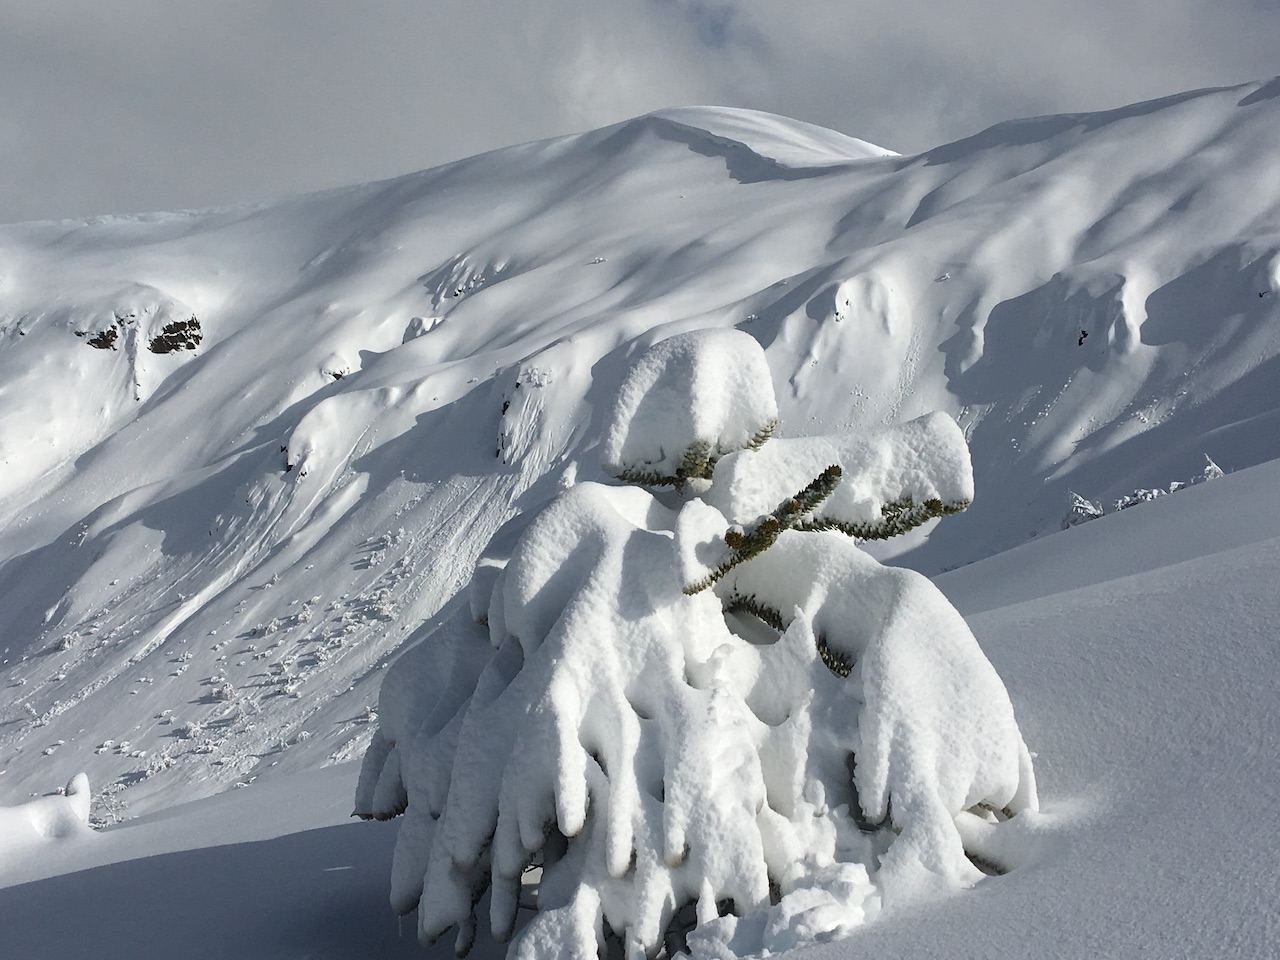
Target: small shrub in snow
x=1081 y=511
x=110 y=807
x=710 y=719
x=220 y=688
x=1138 y=496
x=160 y=762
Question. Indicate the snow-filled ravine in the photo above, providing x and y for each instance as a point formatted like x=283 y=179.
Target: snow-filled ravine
x=246 y=454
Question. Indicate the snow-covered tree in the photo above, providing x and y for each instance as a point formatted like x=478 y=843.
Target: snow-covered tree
x=1081 y=510
x=699 y=718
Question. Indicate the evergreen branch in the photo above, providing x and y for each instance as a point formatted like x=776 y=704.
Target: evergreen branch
x=899 y=516
x=649 y=478
x=746 y=544
x=835 y=661
x=750 y=604
x=838 y=663
x=766 y=432
x=697 y=463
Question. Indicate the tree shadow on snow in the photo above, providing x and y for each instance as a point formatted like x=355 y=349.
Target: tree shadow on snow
x=318 y=894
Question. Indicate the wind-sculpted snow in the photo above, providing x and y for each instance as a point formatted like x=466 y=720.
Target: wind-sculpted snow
x=386 y=373
x=763 y=764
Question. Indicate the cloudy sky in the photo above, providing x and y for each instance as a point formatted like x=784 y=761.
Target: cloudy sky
x=130 y=105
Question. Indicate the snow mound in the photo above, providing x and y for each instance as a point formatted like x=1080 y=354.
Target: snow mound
x=44 y=819
x=685 y=403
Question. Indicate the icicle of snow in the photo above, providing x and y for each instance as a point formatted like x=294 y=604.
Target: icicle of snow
x=422 y=692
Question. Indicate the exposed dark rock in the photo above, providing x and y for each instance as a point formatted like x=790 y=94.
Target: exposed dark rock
x=177 y=335
x=105 y=340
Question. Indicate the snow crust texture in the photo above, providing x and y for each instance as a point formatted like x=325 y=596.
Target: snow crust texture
x=721 y=771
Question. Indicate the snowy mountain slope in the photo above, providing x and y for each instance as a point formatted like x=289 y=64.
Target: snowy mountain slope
x=1148 y=696
x=208 y=553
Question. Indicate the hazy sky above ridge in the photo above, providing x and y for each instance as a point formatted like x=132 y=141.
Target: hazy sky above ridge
x=135 y=105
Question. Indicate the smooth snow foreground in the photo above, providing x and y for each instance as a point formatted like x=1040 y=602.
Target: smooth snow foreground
x=1148 y=694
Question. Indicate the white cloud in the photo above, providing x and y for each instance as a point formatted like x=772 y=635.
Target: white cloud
x=145 y=104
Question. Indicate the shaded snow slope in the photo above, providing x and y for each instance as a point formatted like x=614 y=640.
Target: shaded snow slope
x=1148 y=696
x=1199 y=522
x=245 y=453
x=266 y=872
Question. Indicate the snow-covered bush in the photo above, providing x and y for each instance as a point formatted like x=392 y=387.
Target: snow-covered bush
x=699 y=719
x=1080 y=510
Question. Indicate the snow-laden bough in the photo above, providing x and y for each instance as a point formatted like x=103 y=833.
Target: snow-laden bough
x=702 y=720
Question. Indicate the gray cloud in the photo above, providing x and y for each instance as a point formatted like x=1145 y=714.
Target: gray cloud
x=164 y=104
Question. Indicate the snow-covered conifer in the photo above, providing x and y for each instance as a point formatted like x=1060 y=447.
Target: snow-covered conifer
x=1081 y=510
x=707 y=720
